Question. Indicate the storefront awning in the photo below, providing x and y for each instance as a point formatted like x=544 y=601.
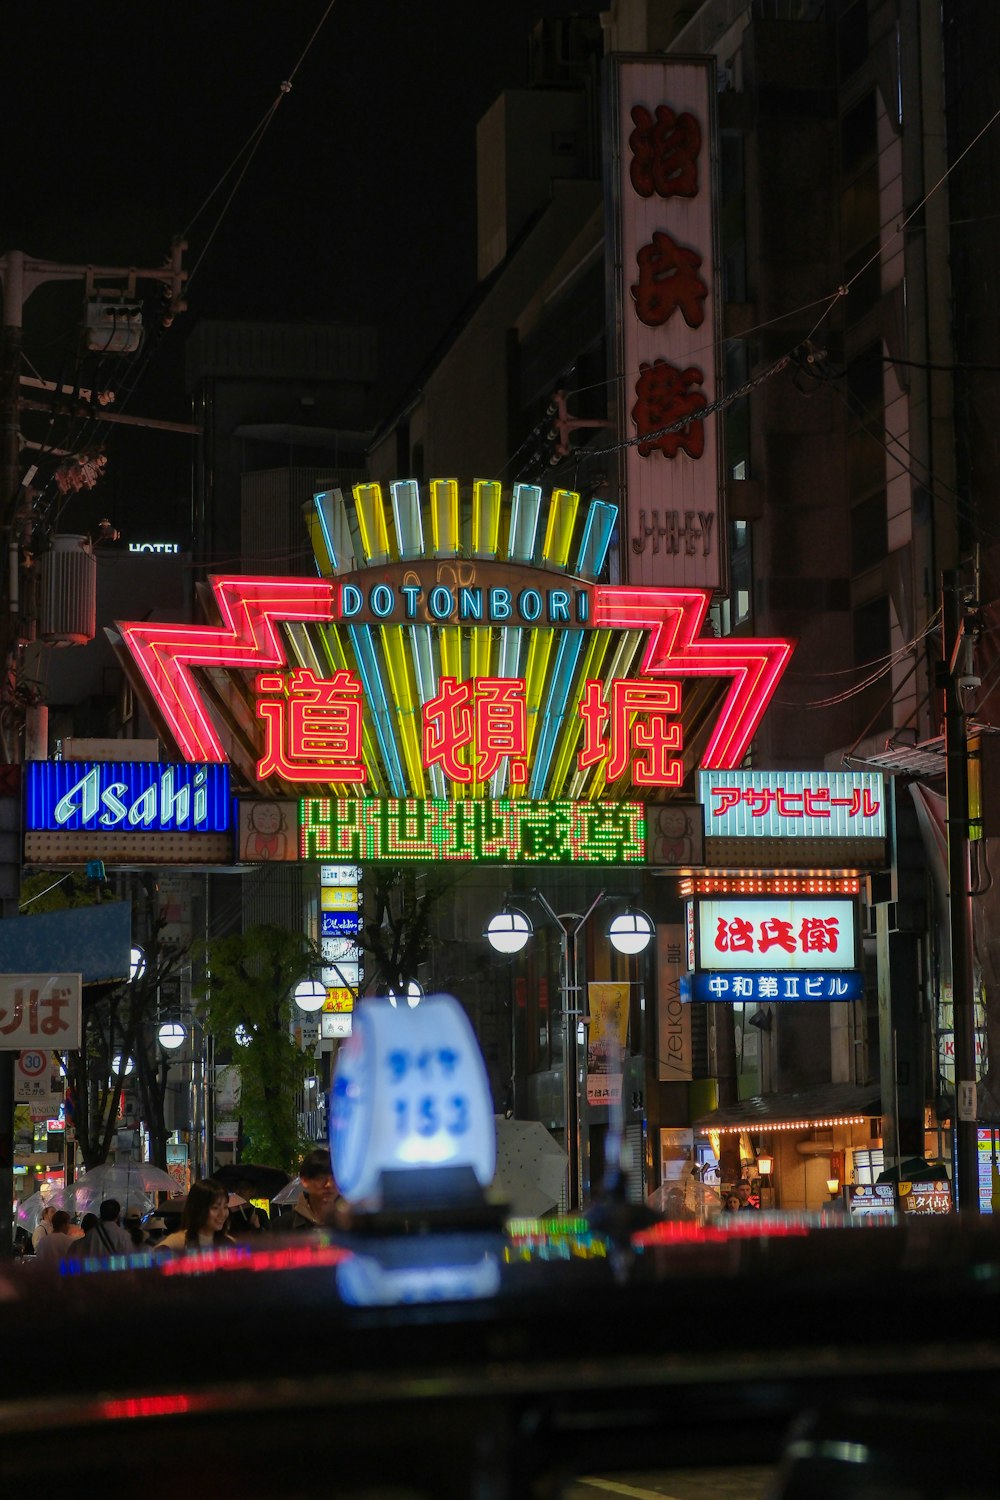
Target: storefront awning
x=826 y=1104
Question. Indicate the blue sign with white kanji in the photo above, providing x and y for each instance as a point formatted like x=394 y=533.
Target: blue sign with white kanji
x=755 y=986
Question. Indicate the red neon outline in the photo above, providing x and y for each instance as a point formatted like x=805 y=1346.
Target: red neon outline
x=249 y=608
x=674 y=617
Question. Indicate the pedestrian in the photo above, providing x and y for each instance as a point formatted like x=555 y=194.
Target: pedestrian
x=246 y=1218
x=203 y=1222
x=55 y=1246
x=156 y=1228
x=104 y=1235
x=133 y=1228
x=44 y=1225
x=320 y=1204
x=744 y=1191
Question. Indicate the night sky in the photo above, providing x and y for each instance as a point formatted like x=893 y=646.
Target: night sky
x=119 y=118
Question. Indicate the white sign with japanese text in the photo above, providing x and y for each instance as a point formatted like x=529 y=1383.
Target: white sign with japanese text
x=775 y=933
x=667 y=310
x=40 y=1011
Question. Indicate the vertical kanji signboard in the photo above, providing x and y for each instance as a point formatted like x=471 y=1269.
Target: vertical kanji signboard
x=666 y=308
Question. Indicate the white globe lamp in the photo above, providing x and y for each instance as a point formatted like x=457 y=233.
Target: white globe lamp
x=413 y=996
x=309 y=995
x=508 y=931
x=630 y=932
x=171 y=1035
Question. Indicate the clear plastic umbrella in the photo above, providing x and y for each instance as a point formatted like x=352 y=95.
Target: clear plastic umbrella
x=140 y=1174
x=289 y=1193
x=30 y=1210
x=133 y=1184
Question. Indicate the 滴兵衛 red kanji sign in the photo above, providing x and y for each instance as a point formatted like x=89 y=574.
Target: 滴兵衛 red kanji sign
x=775 y=932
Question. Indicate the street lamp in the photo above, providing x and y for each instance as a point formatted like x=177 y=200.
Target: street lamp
x=631 y=931
x=413 y=995
x=171 y=1035
x=136 y=964
x=309 y=995
x=508 y=932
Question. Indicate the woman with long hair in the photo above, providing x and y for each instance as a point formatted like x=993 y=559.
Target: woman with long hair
x=203 y=1221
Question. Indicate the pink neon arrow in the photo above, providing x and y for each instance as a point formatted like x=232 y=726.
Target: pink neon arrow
x=250 y=609
x=674 y=618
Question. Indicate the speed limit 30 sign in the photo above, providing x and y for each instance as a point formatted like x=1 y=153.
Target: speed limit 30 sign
x=32 y=1064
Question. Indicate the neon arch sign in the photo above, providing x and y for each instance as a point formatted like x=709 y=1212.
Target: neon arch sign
x=380 y=678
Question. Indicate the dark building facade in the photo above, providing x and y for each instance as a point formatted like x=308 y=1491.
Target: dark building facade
x=858 y=466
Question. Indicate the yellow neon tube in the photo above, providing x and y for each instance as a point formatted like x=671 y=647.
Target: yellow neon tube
x=369 y=507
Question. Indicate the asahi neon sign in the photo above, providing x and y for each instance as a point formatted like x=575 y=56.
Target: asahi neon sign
x=114 y=795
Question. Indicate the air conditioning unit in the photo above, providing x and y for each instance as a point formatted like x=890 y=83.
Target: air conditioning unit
x=68 y=590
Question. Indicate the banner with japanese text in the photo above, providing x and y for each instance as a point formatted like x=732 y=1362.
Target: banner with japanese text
x=667 y=311
x=40 y=1011
x=608 y=1006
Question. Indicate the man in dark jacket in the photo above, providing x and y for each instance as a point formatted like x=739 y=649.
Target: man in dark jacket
x=317 y=1206
x=106 y=1237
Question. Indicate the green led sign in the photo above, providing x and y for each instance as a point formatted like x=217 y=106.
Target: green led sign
x=514 y=831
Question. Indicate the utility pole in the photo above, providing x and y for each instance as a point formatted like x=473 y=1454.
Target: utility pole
x=22 y=275
x=960 y=616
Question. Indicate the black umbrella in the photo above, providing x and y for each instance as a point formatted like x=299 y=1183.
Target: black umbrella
x=263 y=1181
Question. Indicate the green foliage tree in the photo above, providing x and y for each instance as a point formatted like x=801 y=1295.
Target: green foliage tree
x=249 y=992
x=400 y=902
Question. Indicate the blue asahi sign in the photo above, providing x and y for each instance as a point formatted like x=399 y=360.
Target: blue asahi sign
x=120 y=795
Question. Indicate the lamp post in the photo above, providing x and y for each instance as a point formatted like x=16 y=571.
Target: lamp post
x=508 y=932
x=765 y=1166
